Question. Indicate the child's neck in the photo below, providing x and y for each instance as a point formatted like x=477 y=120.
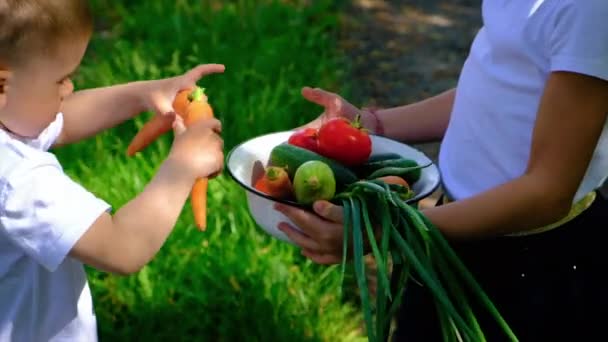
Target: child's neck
x=8 y=131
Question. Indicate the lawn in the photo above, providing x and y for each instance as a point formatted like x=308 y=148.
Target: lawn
x=232 y=282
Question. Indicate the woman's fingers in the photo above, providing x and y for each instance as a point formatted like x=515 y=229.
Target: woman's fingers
x=310 y=224
x=329 y=211
x=331 y=101
x=321 y=258
x=299 y=238
x=315 y=234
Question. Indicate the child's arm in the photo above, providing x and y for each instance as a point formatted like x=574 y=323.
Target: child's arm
x=91 y=111
x=571 y=117
x=88 y=112
x=127 y=241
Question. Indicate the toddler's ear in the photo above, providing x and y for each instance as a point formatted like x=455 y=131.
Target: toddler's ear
x=4 y=76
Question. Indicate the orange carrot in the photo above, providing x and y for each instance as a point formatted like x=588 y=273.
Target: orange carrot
x=278 y=182
x=192 y=106
x=159 y=124
x=394 y=180
x=181 y=101
x=261 y=185
x=198 y=109
x=150 y=131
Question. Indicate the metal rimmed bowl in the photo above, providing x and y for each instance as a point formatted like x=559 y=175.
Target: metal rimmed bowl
x=245 y=164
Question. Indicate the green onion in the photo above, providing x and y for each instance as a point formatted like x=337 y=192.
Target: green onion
x=417 y=249
x=360 y=267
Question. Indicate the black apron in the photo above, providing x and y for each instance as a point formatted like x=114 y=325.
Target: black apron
x=549 y=286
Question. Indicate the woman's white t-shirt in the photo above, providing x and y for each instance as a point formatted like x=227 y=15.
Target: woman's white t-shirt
x=521 y=42
x=44 y=294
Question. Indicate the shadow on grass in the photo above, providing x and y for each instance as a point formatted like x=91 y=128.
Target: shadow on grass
x=237 y=318
x=240 y=305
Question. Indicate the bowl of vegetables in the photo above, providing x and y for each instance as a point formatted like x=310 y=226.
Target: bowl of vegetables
x=298 y=167
x=378 y=182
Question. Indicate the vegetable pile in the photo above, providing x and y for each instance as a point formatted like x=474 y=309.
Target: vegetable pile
x=315 y=164
x=335 y=163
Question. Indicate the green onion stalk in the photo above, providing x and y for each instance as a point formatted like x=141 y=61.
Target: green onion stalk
x=419 y=252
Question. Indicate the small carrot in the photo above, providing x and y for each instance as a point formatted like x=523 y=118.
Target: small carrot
x=394 y=180
x=278 y=182
x=198 y=109
x=182 y=101
x=261 y=185
x=191 y=105
x=404 y=191
x=151 y=130
x=159 y=124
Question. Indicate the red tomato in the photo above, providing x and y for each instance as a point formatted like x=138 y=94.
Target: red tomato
x=344 y=141
x=305 y=138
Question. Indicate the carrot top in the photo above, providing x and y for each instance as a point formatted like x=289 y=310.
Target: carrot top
x=198 y=94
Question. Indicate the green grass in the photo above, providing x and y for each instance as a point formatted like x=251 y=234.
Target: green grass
x=232 y=282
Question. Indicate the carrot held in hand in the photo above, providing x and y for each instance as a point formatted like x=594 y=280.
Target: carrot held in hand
x=192 y=106
x=159 y=124
x=150 y=131
x=182 y=101
x=198 y=109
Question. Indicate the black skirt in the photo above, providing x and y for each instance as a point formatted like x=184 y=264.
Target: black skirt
x=550 y=286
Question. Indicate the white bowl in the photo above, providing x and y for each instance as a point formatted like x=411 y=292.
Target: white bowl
x=245 y=164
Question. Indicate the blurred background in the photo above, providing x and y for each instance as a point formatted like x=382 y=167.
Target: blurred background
x=233 y=282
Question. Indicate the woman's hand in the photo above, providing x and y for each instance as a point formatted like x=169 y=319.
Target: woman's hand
x=320 y=233
x=335 y=106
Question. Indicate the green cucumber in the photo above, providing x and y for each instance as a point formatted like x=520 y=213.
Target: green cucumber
x=405 y=172
x=367 y=169
x=382 y=157
x=400 y=162
x=291 y=157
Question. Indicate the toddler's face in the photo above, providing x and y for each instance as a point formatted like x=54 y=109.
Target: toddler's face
x=36 y=90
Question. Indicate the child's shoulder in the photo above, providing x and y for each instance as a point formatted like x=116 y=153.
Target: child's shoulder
x=17 y=159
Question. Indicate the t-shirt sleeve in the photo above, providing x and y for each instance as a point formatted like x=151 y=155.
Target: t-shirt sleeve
x=45 y=213
x=579 y=39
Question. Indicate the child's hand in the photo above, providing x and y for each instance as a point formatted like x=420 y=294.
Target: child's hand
x=159 y=94
x=198 y=150
x=321 y=236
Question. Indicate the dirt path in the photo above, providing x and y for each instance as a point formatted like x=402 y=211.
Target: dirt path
x=405 y=50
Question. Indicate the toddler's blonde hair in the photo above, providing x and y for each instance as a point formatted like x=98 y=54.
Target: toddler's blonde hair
x=38 y=27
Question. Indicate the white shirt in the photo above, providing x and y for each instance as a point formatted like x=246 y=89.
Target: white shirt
x=489 y=136
x=44 y=294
